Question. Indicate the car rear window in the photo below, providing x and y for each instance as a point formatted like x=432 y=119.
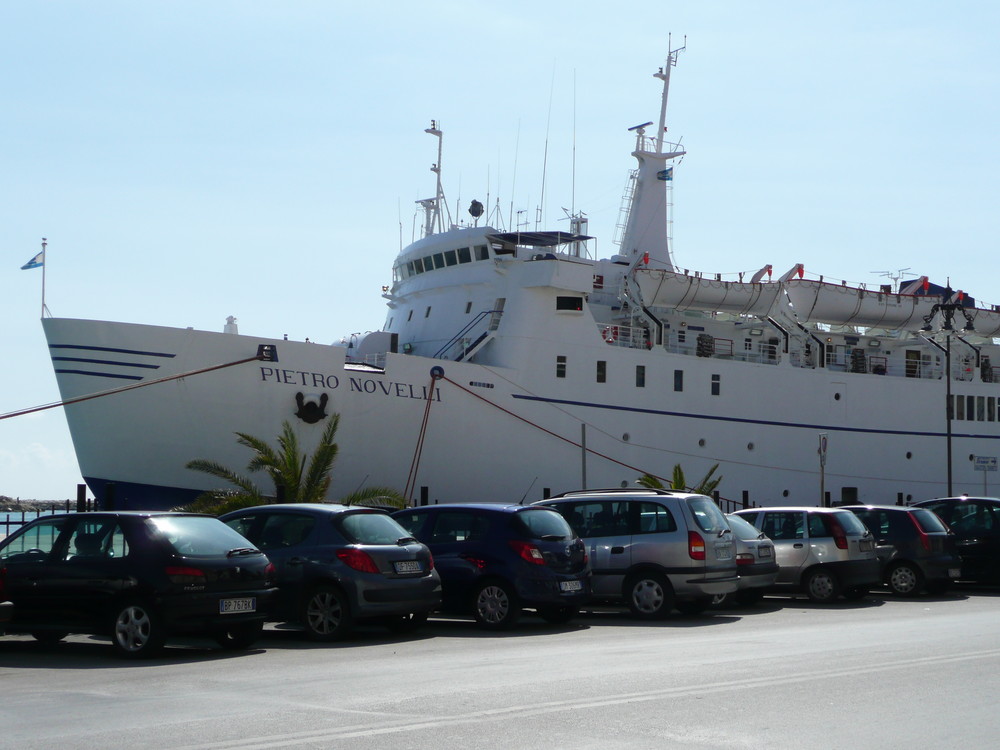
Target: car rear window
x=197 y=536
x=541 y=523
x=370 y=528
x=929 y=520
x=743 y=529
x=707 y=515
x=851 y=523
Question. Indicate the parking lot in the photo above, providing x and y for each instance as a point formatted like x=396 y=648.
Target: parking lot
x=882 y=672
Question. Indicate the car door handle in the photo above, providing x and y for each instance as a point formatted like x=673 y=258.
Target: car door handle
x=296 y=560
x=798 y=545
x=617 y=550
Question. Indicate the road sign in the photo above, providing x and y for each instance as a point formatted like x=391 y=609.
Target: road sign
x=986 y=463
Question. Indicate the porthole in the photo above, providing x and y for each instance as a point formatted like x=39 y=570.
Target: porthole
x=836 y=397
x=784 y=493
x=972 y=457
x=908 y=455
x=624 y=484
x=701 y=443
x=625 y=437
x=749 y=446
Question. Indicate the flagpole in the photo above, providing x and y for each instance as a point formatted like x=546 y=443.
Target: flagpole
x=44 y=264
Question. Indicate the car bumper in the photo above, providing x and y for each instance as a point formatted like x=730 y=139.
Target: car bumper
x=553 y=590
x=201 y=612
x=400 y=598
x=942 y=568
x=758 y=575
x=852 y=573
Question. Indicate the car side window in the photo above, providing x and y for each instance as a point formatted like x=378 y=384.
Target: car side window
x=242 y=525
x=282 y=530
x=818 y=527
x=598 y=518
x=458 y=526
x=35 y=543
x=91 y=541
x=655 y=518
x=783 y=525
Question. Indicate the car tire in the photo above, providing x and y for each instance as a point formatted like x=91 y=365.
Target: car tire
x=748 y=597
x=495 y=605
x=240 y=637
x=821 y=585
x=904 y=579
x=558 y=615
x=49 y=637
x=649 y=595
x=693 y=606
x=326 y=614
x=137 y=631
x=407 y=623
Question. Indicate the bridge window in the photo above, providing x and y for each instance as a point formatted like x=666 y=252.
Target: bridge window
x=482 y=252
x=569 y=303
x=640 y=376
x=464 y=255
x=560 y=366
x=602 y=371
x=716 y=384
x=678 y=380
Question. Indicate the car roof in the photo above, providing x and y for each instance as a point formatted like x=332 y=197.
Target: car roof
x=876 y=506
x=810 y=508
x=499 y=507
x=637 y=492
x=959 y=499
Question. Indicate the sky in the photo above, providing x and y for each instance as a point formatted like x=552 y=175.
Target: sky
x=188 y=161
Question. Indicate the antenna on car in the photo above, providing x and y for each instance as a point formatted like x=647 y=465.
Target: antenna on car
x=525 y=495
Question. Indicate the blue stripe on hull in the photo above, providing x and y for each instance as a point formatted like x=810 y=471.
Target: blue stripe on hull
x=131 y=496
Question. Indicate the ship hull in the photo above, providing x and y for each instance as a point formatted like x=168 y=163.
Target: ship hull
x=495 y=433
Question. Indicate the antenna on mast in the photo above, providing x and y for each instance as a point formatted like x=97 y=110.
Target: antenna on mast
x=432 y=206
x=664 y=75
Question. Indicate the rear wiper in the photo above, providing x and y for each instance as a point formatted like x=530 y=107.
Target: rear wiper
x=405 y=540
x=242 y=551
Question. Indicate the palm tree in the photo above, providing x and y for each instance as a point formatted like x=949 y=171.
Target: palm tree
x=705 y=487
x=294 y=481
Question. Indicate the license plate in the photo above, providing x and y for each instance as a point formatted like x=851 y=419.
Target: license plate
x=570 y=585
x=233 y=606
x=763 y=552
x=954 y=572
x=723 y=552
x=407 y=566
x=866 y=544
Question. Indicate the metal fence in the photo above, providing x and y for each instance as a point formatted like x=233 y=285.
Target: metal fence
x=12 y=520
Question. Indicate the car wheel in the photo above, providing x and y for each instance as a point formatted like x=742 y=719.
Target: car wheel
x=326 y=614
x=822 y=586
x=904 y=579
x=558 y=615
x=693 y=606
x=649 y=596
x=748 y=597
x=407 y=623
x=240 y=637
x=137 y=631
x=495 y=605
x=48 y=637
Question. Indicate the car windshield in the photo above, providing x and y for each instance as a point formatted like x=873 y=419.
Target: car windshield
x=851 y=523
x=198 y=536
x=743 y=529
x=707 y=515
x=929 y=520
x=541 y=523
x=369 y=527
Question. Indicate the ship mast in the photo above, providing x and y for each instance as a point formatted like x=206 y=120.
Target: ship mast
x=646 y=227
x=432 y=206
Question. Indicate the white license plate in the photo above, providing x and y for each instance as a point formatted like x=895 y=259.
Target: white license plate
x=570 y=585
x=763 y=552
x=407 y=566
x=723 y=552
x=232 y=606
x=954 y=572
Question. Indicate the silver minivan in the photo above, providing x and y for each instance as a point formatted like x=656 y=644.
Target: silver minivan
x=656 y=550
x=822 y=552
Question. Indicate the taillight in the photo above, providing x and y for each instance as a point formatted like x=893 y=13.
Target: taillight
x=744 y=558
x=839 y=536
x=528 y=551
x=430 y=561
x=357 y=559
x=696 y=546
x=269 y=572
x=185 y=575
x=925 y=540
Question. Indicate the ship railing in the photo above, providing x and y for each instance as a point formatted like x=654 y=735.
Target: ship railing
x=466 y=339
x=372 y=360
x=630 y=337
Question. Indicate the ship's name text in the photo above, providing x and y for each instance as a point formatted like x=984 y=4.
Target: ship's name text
x=301 y=378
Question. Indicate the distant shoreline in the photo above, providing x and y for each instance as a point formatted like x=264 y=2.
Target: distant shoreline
x=10 y=505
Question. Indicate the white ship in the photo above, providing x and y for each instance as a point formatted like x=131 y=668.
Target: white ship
x=513 y=365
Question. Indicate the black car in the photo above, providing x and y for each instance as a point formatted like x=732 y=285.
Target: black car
x=136 y=577
x=975 y=522
x=916 y=552
x=495 y=560
x=337 y=565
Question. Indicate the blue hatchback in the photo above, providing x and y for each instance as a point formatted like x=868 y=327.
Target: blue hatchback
x=495 y=560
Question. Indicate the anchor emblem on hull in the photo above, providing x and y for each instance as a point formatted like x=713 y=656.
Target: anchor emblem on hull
x=309 y=411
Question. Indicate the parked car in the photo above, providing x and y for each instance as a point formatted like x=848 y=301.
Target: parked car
x=822 y=552
x=915 y=550
x=975 y=522
x=756 y=565
x=137 y=577
x=655 y=550
x=339 y=565
x=495 y=560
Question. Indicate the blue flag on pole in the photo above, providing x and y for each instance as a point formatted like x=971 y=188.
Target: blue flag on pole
x=37 y=262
